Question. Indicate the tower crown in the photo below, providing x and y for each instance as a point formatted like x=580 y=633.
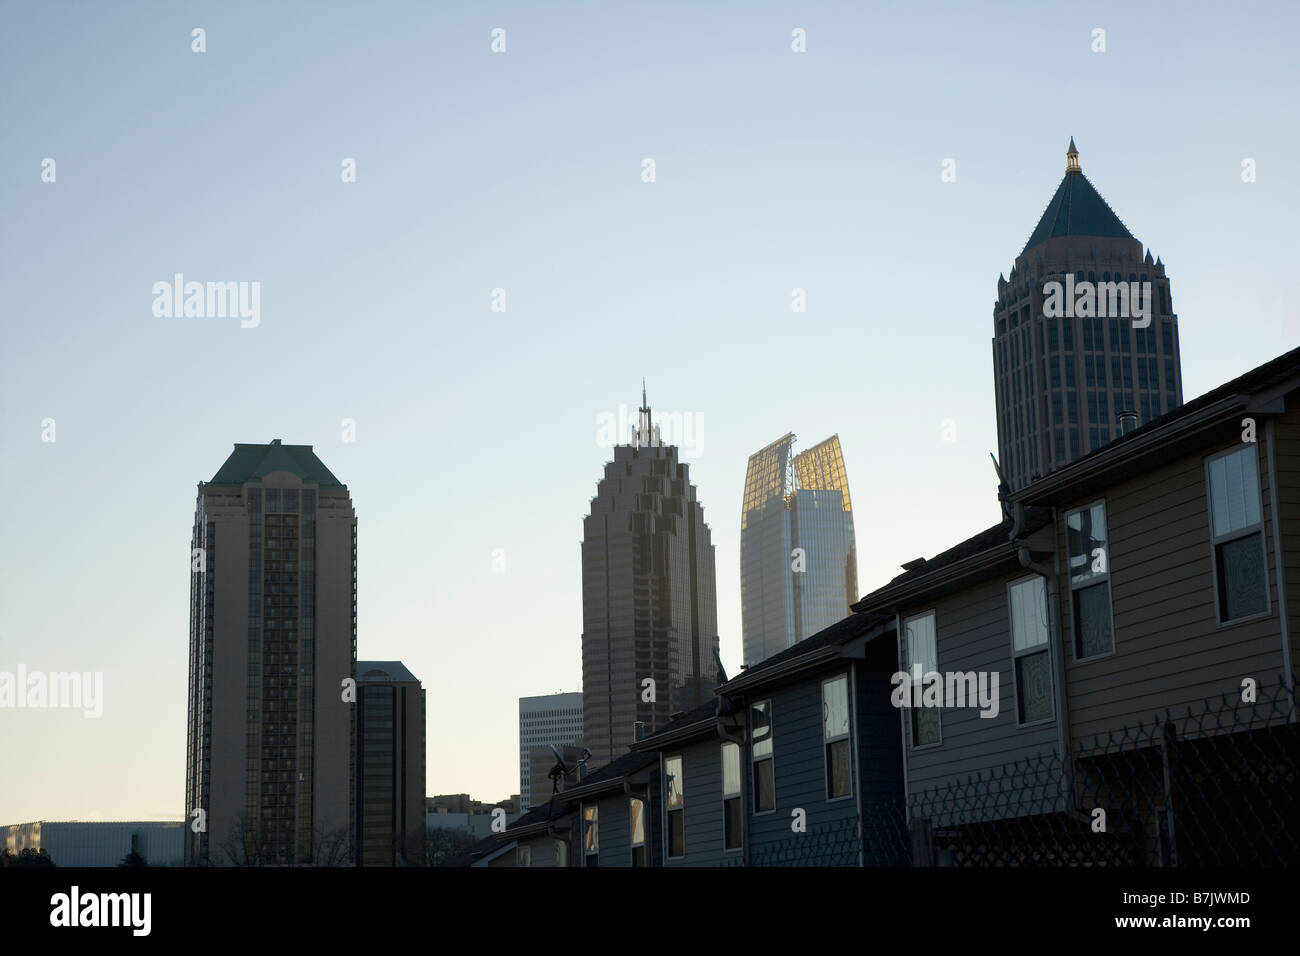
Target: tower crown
x=1076 y=209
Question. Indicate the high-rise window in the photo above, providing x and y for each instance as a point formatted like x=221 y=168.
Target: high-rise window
x=1237 y=534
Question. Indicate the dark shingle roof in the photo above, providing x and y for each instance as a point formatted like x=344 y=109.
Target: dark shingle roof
x=998 y=535
x=1271 y=373
x=1077 y=209
x=841 y=632
x=258 y=461
x=706 y=711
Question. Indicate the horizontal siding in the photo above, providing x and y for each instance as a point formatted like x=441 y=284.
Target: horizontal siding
x=1287 y=442
x=614 y=836
x=973 y=633
x=1170 y=652
x=543 y=851
x=703 y=826
x=880 y=757
x=799 y=766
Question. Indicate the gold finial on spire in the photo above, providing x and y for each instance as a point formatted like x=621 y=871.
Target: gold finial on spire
x=1072 y=158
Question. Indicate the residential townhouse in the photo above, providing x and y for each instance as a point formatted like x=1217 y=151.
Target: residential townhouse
x=1138 y=608
x=605 y=819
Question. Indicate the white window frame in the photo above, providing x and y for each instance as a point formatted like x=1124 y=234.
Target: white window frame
x=586 y=825
x=755 y=760
x=1236 y=535
x=737 y=795
x=1030 y=651
x=631 y=832
x=1094 y=578
x=670 y=810
x=847 y=735
x=910 y=660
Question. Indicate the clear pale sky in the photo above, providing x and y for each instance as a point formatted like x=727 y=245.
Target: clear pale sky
x=478 y=430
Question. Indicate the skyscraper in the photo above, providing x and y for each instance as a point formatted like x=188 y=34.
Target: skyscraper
x=1106 y=343
x=390 y=765
x=549 y=720
x=649 y=604
x=798 y=559
x=273 y=630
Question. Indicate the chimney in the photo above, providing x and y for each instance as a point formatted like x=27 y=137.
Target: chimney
x=640 y=729
x=1128 y=421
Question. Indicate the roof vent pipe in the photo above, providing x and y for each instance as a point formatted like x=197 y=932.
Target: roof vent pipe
x=1128 y=421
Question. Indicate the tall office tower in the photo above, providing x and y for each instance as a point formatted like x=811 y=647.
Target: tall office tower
x=649 y=603
x=390 y=765
x=1066 y=375
x=550 y=720
x=798 y=560
x=273 y=635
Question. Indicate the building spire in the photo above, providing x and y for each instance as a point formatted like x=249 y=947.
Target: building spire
x=1072 y=158
x=645 y=433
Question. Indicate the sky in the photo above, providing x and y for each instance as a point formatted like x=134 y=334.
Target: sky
x=479 y=433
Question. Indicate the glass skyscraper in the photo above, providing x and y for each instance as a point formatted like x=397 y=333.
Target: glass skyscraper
x=798 y=559
x=649 y=603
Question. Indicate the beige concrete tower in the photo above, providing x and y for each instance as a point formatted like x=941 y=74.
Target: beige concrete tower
x=273 y=625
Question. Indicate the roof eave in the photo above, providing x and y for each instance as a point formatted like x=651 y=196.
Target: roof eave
x=780 y=671
x=668 y=738
x=978 y=566
x=1064 y=483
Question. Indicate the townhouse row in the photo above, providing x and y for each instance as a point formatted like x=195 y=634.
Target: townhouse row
x=1134 y=612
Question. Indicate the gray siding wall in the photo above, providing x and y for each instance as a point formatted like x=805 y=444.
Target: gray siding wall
x=704 y=824
x=1287 y=441
x=543 y=851
x=799 y=765
x=615 y=839
x=879 y=756
x=973 y=633
x=1170 y=652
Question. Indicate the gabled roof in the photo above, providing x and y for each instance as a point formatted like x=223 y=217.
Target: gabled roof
x=1262 y=379
x=1077 y=209
x=257 y=461
x=822 y=644
x=612 y=773
x=994 y=542
x=703 y=718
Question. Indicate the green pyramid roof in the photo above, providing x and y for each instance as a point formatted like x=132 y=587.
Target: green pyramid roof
x=258 y=461
x=1077 y=209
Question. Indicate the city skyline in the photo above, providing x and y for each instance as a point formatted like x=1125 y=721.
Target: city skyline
x=475 y=434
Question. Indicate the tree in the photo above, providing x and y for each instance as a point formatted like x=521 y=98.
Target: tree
x=134 y=858
x=26 y=857
x=444 y=843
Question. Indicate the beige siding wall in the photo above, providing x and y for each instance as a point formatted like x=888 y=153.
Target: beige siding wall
x=1170 y=652
x=973 y=633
